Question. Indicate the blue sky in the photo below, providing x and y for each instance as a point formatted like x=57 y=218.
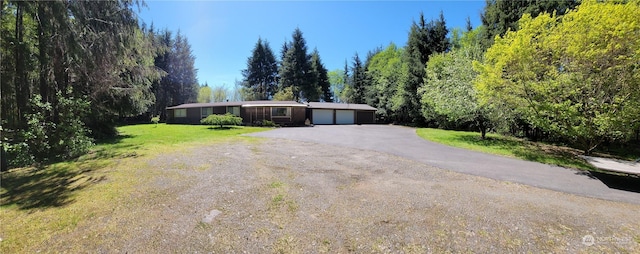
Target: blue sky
x=223 y=33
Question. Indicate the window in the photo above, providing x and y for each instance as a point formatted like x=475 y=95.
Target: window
x=181 y=112
x=234 y=111
x=280 y=112
x=206 y=112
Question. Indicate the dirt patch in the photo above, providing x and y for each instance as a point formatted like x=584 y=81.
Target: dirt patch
x=296 y=197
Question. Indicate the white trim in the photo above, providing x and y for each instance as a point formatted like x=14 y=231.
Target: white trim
x=274 y=105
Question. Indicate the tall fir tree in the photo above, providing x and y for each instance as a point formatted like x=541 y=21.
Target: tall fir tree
x=261 y=74
x=322 y=78
x=424 y=40
x=72 y=65
x=179 y=84
x=183 y=73
x=295 y=69
x=357 y=82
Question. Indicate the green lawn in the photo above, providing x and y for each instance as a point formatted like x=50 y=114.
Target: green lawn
x=37 y=204
x=507 y=146
x=157 y=138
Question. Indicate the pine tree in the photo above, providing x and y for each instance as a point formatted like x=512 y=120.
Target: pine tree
x=357 y=82
x=322 y=78
x=182 y=72
x=179 y=83
x=262 y=71
x=295 y=68
x=72 y=65
x=424 y=40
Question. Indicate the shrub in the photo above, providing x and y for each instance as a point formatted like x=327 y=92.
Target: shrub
x=267 y=123
x=227 y=119
x=155 y=120
x=53 y=133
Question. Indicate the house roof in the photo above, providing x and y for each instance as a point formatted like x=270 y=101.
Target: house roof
x=331 y=105
x=237 y=104
x=313 y=105
x=292 y=104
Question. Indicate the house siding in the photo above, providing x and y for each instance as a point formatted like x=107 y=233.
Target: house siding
x=365 y=117
x=220 y=110
x=254 y=111
x=251 y=115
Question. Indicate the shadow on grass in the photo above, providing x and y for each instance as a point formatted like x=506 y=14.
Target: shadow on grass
x=53 y=185
x=44 y=188
x=620 y=182
x=223 y=127
x=527 y=150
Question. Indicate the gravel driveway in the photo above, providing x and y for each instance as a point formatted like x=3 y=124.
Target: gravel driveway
x=286 y=196
x=404 y=142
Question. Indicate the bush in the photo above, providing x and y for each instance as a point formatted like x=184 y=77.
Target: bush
x=267 y=123
x=155 y=120
x=264 y=123
x=53 y=133
x=221 y=120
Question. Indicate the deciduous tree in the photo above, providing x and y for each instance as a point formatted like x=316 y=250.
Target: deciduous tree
x=384 y=71
x=576 y=76
x=448 y=88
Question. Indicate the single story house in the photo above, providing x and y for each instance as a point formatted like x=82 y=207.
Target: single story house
x=287 y=113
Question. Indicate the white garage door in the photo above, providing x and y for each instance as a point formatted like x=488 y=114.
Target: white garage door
x=322 y=116
x=344 y=117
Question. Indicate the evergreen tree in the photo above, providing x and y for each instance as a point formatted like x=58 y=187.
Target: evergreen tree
x=322 y=78
x=66 y=66
x=502 y=15
x=182 y=72
x=424 y=40
x=295 y=69
x=179 y=84
x=262 y=71
x=357 y=82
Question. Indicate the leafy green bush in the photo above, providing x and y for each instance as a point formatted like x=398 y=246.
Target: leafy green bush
x=53 y=133
x=221 y=120
x=155 y=120
x=264 y=123
x=267 y=123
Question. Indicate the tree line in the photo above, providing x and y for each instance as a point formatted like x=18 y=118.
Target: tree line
x=556 y=70
x=72 y=69
x=298 y=76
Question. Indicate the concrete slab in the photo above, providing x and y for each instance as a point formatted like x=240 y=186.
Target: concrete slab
x=619 y=166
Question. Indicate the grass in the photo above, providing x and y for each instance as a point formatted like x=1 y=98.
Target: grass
x=508 y=146
x=40 y=204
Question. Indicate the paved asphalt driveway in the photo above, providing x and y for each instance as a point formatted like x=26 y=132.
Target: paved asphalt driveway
x=404 y=142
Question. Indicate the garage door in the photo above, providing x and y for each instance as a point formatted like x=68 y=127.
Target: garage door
x=366 y=117
x=322 y=116
x=344 y=117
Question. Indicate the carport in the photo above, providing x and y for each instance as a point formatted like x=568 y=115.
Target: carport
x=341 y=113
